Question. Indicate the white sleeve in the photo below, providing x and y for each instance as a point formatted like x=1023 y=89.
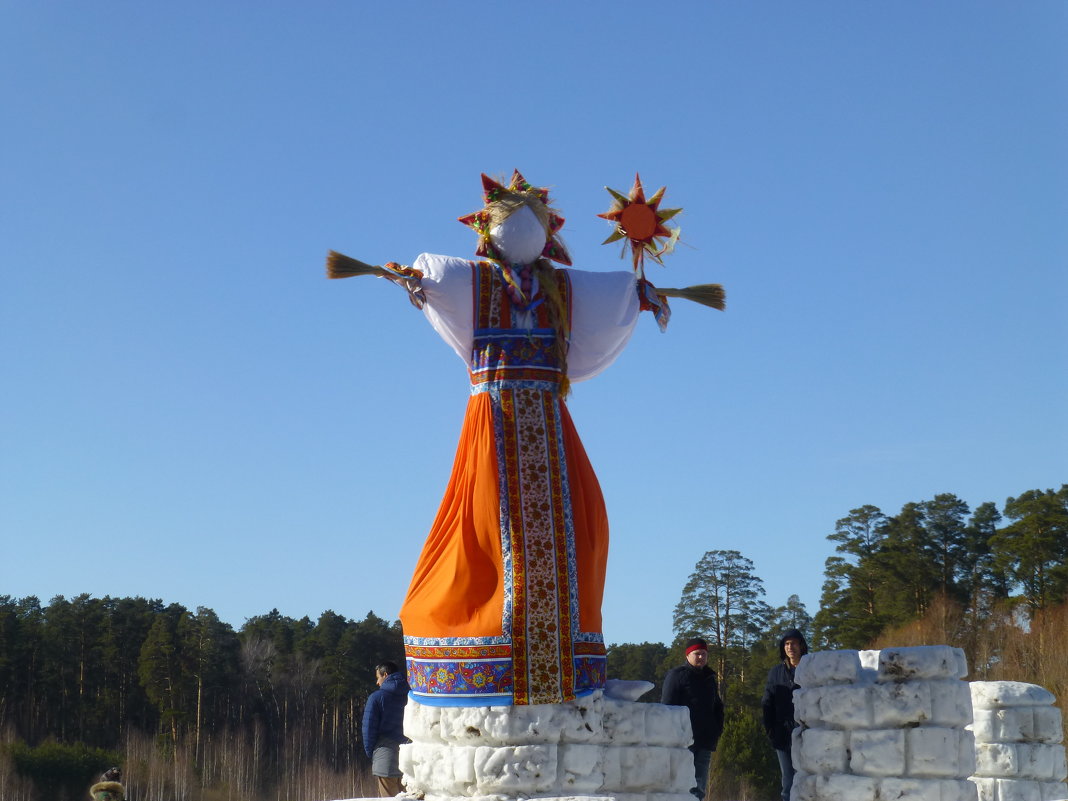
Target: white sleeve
x=604 y=310
x=449 y=306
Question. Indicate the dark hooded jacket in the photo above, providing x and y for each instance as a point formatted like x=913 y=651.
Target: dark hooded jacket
x=383 y=718
x=778 y=701
x=696 y=688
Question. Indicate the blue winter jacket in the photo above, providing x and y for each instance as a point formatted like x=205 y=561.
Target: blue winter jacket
x=383 y=717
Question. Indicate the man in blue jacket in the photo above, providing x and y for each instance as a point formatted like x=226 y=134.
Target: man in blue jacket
x=778 y=703
x=383 y=727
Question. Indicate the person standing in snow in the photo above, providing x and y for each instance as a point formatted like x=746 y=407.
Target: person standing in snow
x=695 y=686
x=383 y=727
x=778 y=703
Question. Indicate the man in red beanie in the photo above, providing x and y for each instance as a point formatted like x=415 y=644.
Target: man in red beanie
x=694 y=685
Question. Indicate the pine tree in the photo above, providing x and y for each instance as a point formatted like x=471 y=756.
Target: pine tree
x=1033 y=548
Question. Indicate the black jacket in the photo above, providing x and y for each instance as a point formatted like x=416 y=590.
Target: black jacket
x=698 y=689
x=778 y=701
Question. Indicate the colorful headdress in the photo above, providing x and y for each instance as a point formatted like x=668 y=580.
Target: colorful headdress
x=518 y=192
x=641 y=221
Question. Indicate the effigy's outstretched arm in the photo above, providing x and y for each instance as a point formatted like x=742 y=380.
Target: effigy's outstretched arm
x=338 y=265
x=712 y=295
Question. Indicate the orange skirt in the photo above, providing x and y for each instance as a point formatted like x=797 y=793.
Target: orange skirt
x=512 y=573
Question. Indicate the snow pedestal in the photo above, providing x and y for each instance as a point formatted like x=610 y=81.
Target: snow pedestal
x=593 y=747
x=1018 y=736
x=878 y=725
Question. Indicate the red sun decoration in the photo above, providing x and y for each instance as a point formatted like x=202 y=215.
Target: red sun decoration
x=641 y=222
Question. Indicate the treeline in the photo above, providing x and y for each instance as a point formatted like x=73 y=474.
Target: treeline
x=198 y=710
x=892 y=569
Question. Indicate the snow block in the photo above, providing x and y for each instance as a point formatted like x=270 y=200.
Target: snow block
x=667 y=725
x=681 y=771
x=845 y=707
x=1048 y=726
x=843 y=787
x=580 y=767
x=804 y=787
x=422 y=723
x=966 y=760
x=1036 y=760
x=828 y=667
x=986 y=788
x=648 y=769
x=910 y=790
x=1001 y=694
x=951 y=703
x=1054 y=791
x=932 y=752
x=822 y=751
x=921 y=662
x=996 y=759
x=1018 y=790
x=518 y=769
x=624 y=722
x=807 y=706
x=869 y=664
x=958 y=790
x=451 y=770
x=626 y=690
x=901 y=704
x=877 y=752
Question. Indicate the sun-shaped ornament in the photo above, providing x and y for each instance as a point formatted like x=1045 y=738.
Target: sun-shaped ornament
x=641 y=223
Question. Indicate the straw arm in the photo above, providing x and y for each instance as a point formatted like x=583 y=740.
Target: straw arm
x=711 y=295
x=338 y=265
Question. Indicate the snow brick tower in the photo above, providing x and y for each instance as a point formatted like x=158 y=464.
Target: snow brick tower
x=888 y=724
x=1018 y=750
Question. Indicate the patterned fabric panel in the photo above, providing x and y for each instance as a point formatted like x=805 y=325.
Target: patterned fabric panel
x=516 y=355
x=489 y=679
x=486 y=682
x=591 y=673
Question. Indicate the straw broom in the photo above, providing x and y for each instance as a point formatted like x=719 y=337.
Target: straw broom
x=338 y=265
x=711 y=295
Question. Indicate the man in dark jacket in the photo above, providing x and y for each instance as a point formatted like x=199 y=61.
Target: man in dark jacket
x=778 y=703
x=383 y=727
x=694 y=685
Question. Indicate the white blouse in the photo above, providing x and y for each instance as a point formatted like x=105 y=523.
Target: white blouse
x=604 y=310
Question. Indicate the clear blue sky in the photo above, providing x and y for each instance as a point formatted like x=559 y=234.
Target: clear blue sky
x=190 y=411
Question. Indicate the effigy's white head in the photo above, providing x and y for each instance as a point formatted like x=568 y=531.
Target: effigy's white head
x=517 y=225
x=520 y=237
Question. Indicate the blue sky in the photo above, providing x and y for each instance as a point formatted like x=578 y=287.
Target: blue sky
x=190 y=411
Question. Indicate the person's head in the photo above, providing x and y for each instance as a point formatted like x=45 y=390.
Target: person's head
x=697 y=652
x=792 y=646
x=383 y=669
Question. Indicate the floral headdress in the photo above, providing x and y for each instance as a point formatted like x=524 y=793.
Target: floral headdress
x=501 y=201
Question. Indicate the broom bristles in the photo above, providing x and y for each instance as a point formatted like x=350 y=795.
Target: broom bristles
x=712 y=295
x=338 y=265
